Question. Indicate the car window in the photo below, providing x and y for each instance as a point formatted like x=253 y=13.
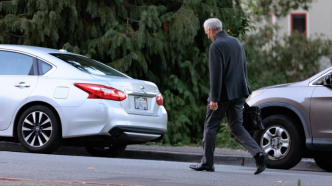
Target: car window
x=320 y=81
x=43 y=67
x=88 y=65
x=12 y=63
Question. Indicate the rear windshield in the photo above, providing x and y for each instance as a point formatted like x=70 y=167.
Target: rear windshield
x=88 y=65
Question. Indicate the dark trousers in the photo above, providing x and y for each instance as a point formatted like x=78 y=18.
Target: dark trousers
x=234 y=114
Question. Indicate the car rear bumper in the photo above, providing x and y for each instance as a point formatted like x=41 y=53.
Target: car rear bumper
x=133 y=134
x=109 y=120
x=118 y=135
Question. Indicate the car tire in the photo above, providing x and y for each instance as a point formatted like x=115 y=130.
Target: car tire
x=324 y=161
x=109 y=151
x=283 y=141
x=38 y=130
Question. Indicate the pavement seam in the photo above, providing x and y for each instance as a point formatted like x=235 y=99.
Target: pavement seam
x=76 y=182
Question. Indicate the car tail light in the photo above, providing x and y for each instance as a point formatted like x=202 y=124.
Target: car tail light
x=101 y=92
x=159 y=99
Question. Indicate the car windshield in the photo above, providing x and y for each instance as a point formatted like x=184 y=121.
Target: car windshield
x=88 y=65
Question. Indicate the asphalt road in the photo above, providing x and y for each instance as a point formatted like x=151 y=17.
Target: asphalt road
x=144 y=172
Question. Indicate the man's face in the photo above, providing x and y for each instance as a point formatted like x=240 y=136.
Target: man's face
x=209 y=33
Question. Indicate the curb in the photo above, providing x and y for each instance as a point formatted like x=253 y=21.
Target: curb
x=186 y=157
x=153 y=154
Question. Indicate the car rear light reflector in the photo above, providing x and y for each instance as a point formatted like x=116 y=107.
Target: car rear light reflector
x=101 y=92
x=159 y=99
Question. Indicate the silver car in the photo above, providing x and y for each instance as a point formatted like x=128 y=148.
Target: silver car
x=53 y=97
x=298 y=121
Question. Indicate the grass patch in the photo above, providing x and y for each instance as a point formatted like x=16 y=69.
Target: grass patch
x=224 y=139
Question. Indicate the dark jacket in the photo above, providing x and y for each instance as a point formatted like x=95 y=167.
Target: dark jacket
x=228 y=69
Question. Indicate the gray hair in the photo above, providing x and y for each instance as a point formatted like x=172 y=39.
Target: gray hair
x=213 y=23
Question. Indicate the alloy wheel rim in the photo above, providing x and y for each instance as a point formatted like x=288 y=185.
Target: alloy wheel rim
x=276 y=142
x=37 y=129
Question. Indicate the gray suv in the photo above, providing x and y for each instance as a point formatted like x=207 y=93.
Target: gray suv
x=298 y=121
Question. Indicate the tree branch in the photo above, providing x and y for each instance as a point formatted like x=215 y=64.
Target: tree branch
x=184 y=2
x=14 y=35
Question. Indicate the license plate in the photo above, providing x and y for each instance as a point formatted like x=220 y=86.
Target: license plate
x=141 y=103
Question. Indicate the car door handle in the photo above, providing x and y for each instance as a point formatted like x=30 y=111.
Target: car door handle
x=22 y=84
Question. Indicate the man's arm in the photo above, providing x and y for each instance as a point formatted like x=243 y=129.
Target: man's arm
x=245 y=68
x=216 y=72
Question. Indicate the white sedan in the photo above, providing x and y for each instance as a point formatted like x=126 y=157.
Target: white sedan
x=53 y=97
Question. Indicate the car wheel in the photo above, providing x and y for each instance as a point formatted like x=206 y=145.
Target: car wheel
x=109 y=151
x=38 y=130
x=323 y=160
x=282 y=140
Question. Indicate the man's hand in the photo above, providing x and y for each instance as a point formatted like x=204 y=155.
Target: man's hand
x=213 y=105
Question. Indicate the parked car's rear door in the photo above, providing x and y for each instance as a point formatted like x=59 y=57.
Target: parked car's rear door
x=18 y=78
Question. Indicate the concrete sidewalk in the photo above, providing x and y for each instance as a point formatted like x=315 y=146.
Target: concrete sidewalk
x=163 y=153
x=194 y=154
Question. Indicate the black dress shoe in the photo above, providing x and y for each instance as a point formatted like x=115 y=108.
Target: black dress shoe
x=201 y=167
x=260 y=162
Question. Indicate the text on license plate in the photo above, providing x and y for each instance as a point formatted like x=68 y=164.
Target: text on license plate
x=141 y=103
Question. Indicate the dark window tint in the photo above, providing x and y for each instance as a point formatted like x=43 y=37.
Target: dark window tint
x=88 y=65
x=43 y=67
x=299 y=23
x=12 y=63
x=321 y=80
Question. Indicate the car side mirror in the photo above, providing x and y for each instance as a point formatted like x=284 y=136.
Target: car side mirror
x=328 y=81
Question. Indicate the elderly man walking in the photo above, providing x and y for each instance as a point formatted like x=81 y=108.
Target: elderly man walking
x=228 y=92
